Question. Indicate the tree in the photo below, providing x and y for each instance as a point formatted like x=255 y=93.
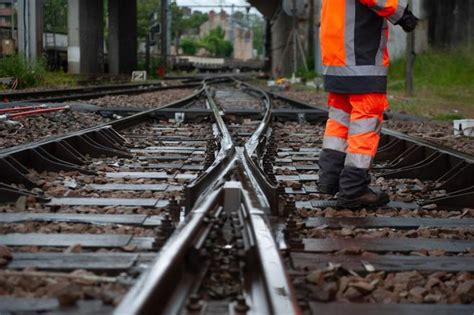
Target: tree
x=216 y=43
x=238 y=16
x=182 y=24
x=145 y=8
x=189 y=45
x=55 y=16
x=194 y=22
x=177 y=21
x=258 y=28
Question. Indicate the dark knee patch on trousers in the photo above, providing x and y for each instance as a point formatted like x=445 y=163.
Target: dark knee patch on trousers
x=331 y=163
x=354 y=182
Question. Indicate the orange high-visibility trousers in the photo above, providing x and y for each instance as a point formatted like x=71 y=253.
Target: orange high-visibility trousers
x=350 y=142
x=354 y=125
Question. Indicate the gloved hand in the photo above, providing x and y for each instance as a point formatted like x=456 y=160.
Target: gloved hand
x=408 y=21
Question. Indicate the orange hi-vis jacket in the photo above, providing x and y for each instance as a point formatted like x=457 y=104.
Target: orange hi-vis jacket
x=354 y=36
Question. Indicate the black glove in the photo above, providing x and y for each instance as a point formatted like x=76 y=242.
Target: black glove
x=408 y=21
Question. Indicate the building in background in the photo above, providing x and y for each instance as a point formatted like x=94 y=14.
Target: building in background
x=243 y=44
x=238 y=34
x=7 y=27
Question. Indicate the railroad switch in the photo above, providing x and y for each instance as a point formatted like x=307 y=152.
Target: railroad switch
x=232 y=196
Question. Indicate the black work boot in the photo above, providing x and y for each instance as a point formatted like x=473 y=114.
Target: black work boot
x=331 y=163
x=328 y=189
x=369 y=199
x=354 y=191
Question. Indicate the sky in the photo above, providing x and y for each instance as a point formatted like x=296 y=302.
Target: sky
x=214 y=2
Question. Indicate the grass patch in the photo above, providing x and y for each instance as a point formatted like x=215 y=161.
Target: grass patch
x=59 y=79
x=448 y=116
x=439 y=70
x=33 y=74
x=444 y=85
x=28 y=75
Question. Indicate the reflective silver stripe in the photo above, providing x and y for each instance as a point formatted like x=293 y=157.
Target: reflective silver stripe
x=335 y=143
x=349 y=35
x=380 y=5
x=401 y=6
x=363 y=126
x=378 y=129
x=355 y=71
x=358 y=160
x=379 y=59
x=340 y=116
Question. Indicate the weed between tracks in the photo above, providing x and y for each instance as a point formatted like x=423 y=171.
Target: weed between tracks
x=34 y=74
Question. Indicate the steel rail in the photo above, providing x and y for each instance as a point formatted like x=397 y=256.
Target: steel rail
x=254 y=140
x=222 y=164
x=84 y=89
x=164 y=288
x=280 y=296
x=227 y=155
x=82 y=96
x=119 y=124
x=294 y=102
x=419 y=141
x=426 y=143
x=268 y=189
x=273 y=278
x=174 y=273
x=62 y=153
x=450 y=168
x=179 y=268
x=269 y=288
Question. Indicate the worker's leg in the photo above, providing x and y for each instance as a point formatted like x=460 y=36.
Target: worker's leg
x=333 y=155
x=363 y=140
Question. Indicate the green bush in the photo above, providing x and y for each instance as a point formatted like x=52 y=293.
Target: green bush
x=189 y=45
x=28 y=75
x=216 y=43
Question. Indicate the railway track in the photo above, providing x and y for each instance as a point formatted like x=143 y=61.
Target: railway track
x=84 y=93
x=210 y=205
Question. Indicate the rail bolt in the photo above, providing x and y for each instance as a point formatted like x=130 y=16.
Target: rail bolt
x=241 y=306
x=174 y=209
x=194 y=303
x=281 y=189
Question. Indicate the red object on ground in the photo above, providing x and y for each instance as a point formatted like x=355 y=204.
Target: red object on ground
x=161 y=71
x=17 y=109
x=37 y=111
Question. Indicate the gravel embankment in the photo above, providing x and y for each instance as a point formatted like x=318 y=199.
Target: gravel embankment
x=145 y=100
x=33 y=128
x=438 y=132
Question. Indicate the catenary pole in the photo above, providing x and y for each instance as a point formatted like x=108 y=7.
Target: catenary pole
x=410 y=64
